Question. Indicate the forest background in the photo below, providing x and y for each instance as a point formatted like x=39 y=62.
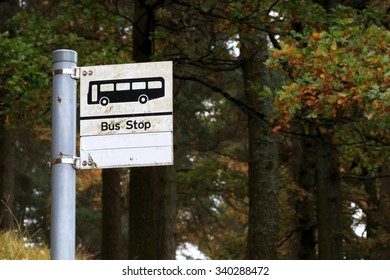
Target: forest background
x=281 y=127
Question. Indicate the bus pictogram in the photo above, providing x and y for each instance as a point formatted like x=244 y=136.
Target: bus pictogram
x=125 y=90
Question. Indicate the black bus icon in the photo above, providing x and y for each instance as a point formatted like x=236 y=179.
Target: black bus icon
x=125 y=90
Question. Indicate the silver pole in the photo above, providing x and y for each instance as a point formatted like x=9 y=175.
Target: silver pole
x=63 y=184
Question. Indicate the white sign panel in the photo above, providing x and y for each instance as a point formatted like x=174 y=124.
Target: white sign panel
x=126 y=116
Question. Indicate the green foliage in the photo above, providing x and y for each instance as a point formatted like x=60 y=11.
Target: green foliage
x=89 y=209
x=23 y=70
x=213 y=197
x=342 y=72
x=338 y=83
x=340 y=75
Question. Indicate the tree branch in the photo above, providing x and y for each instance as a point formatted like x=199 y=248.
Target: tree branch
x=243 y=106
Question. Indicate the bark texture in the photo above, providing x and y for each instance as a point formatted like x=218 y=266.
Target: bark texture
x=329 y=201
x=111 y=215
x=7 y=178
x=263 y=156
x=152 y=214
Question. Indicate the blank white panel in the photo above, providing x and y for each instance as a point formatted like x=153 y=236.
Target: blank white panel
x=119 y=141
x=150 y=156
x=126 y=150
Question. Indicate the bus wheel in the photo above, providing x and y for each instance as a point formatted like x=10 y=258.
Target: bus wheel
x=104 y=101
x=143 y=99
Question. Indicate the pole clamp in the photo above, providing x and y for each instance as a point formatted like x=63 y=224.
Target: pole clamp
x=73 y=72
x=65 y=159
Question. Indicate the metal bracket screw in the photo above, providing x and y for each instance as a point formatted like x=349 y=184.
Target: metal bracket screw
x=85 y=73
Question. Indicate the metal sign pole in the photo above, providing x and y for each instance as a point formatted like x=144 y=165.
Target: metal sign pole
x=63 y=163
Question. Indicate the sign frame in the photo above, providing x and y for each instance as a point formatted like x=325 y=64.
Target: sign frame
x=126 y=115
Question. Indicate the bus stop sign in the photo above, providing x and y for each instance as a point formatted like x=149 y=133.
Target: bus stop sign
x=126 y=115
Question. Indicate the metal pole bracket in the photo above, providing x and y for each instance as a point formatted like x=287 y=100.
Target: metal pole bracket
x=65 y=159
x=73 y=72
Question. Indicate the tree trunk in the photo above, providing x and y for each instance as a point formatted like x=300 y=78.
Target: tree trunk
x=383 y=214
x=372 y=213
x=111 y=215
x=263 y=156
x=7 y=142
x=7 y=177
x=152 y=203
x=8 y=8
x=152 y=214
x=143 y=28
x=329 y=201
x=329 y=196
x=306 y=210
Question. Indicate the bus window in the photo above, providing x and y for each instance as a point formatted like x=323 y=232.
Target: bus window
x=106 y=87
x=154 y=84
x=139 y=85
x=123 y=86
x=94 y=93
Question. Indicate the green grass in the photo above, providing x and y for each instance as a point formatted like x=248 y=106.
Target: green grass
x=13 y=247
